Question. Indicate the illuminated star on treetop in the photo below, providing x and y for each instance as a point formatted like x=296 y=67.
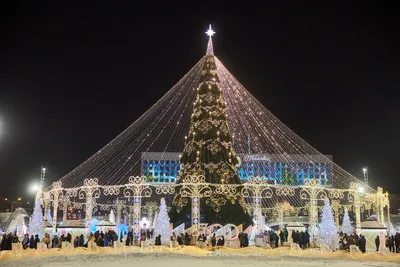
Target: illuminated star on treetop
x=210 y=31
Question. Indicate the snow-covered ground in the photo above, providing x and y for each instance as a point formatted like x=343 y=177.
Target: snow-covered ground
x=195 y=257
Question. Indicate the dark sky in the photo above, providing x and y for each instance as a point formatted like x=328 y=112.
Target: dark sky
x=73 y=76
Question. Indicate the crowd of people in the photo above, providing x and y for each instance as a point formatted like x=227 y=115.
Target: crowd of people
x=109 y=238
x=391 y=242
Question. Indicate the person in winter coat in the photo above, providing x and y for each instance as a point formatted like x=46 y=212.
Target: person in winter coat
x=32 y=242
x=221 y=241
x=377 y=242
x=362 y=242
x=213 y=240
x=390 y=244
x=81 y=241
x=157 y=242
x=46 y=239
x=25 y=241
x=3 y=245
x=282 y=237
x=55 y=242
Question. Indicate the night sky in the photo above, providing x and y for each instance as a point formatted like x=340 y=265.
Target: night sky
x=73 y=76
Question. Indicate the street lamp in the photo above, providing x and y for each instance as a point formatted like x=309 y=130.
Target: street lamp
x=365 y=173
x=34 y=188
x=42 y=176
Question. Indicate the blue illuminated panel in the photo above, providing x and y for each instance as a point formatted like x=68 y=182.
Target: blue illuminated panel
x=164 y=168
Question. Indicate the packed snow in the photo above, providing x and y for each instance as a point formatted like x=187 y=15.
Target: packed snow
x=183 y=256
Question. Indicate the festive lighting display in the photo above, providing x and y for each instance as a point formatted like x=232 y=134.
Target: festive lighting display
x=147 y=160
x=210 y=153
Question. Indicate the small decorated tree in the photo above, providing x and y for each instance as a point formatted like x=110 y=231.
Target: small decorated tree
x=163 y=226
x=346 y=225
x=48 y=217
x=112 y=216
x=328 y=232
x=36 y=226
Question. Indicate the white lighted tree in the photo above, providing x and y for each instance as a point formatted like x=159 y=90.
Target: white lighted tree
x=112 y=216
x=49 y=218
x=163 y=226
x=36 y=225
x=328 y=232
x=346 y=226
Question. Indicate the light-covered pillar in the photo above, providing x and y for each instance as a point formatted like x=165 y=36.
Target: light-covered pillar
x=89 y=213
x=55 y=211
x=56 y=193
x=119 y=213
x=195 y=211
x=357 y=211
x=381 y=205
x=257 y=209
x=89 y=192
x=313 y=213
x=137 y=206
x=130 y=217
x=336 y=207
x=65 y=210
x=46 y=203
x=312 y=191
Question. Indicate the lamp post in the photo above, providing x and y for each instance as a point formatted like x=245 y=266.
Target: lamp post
x=42 y=175
x=365 y=173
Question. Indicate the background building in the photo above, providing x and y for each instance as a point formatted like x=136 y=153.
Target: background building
x=162 y=167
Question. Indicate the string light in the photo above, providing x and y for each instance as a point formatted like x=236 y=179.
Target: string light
x=161 y=128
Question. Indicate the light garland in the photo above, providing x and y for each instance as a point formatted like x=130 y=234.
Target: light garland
x=166 y=128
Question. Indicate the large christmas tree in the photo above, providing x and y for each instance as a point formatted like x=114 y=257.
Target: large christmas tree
x=209 y=151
